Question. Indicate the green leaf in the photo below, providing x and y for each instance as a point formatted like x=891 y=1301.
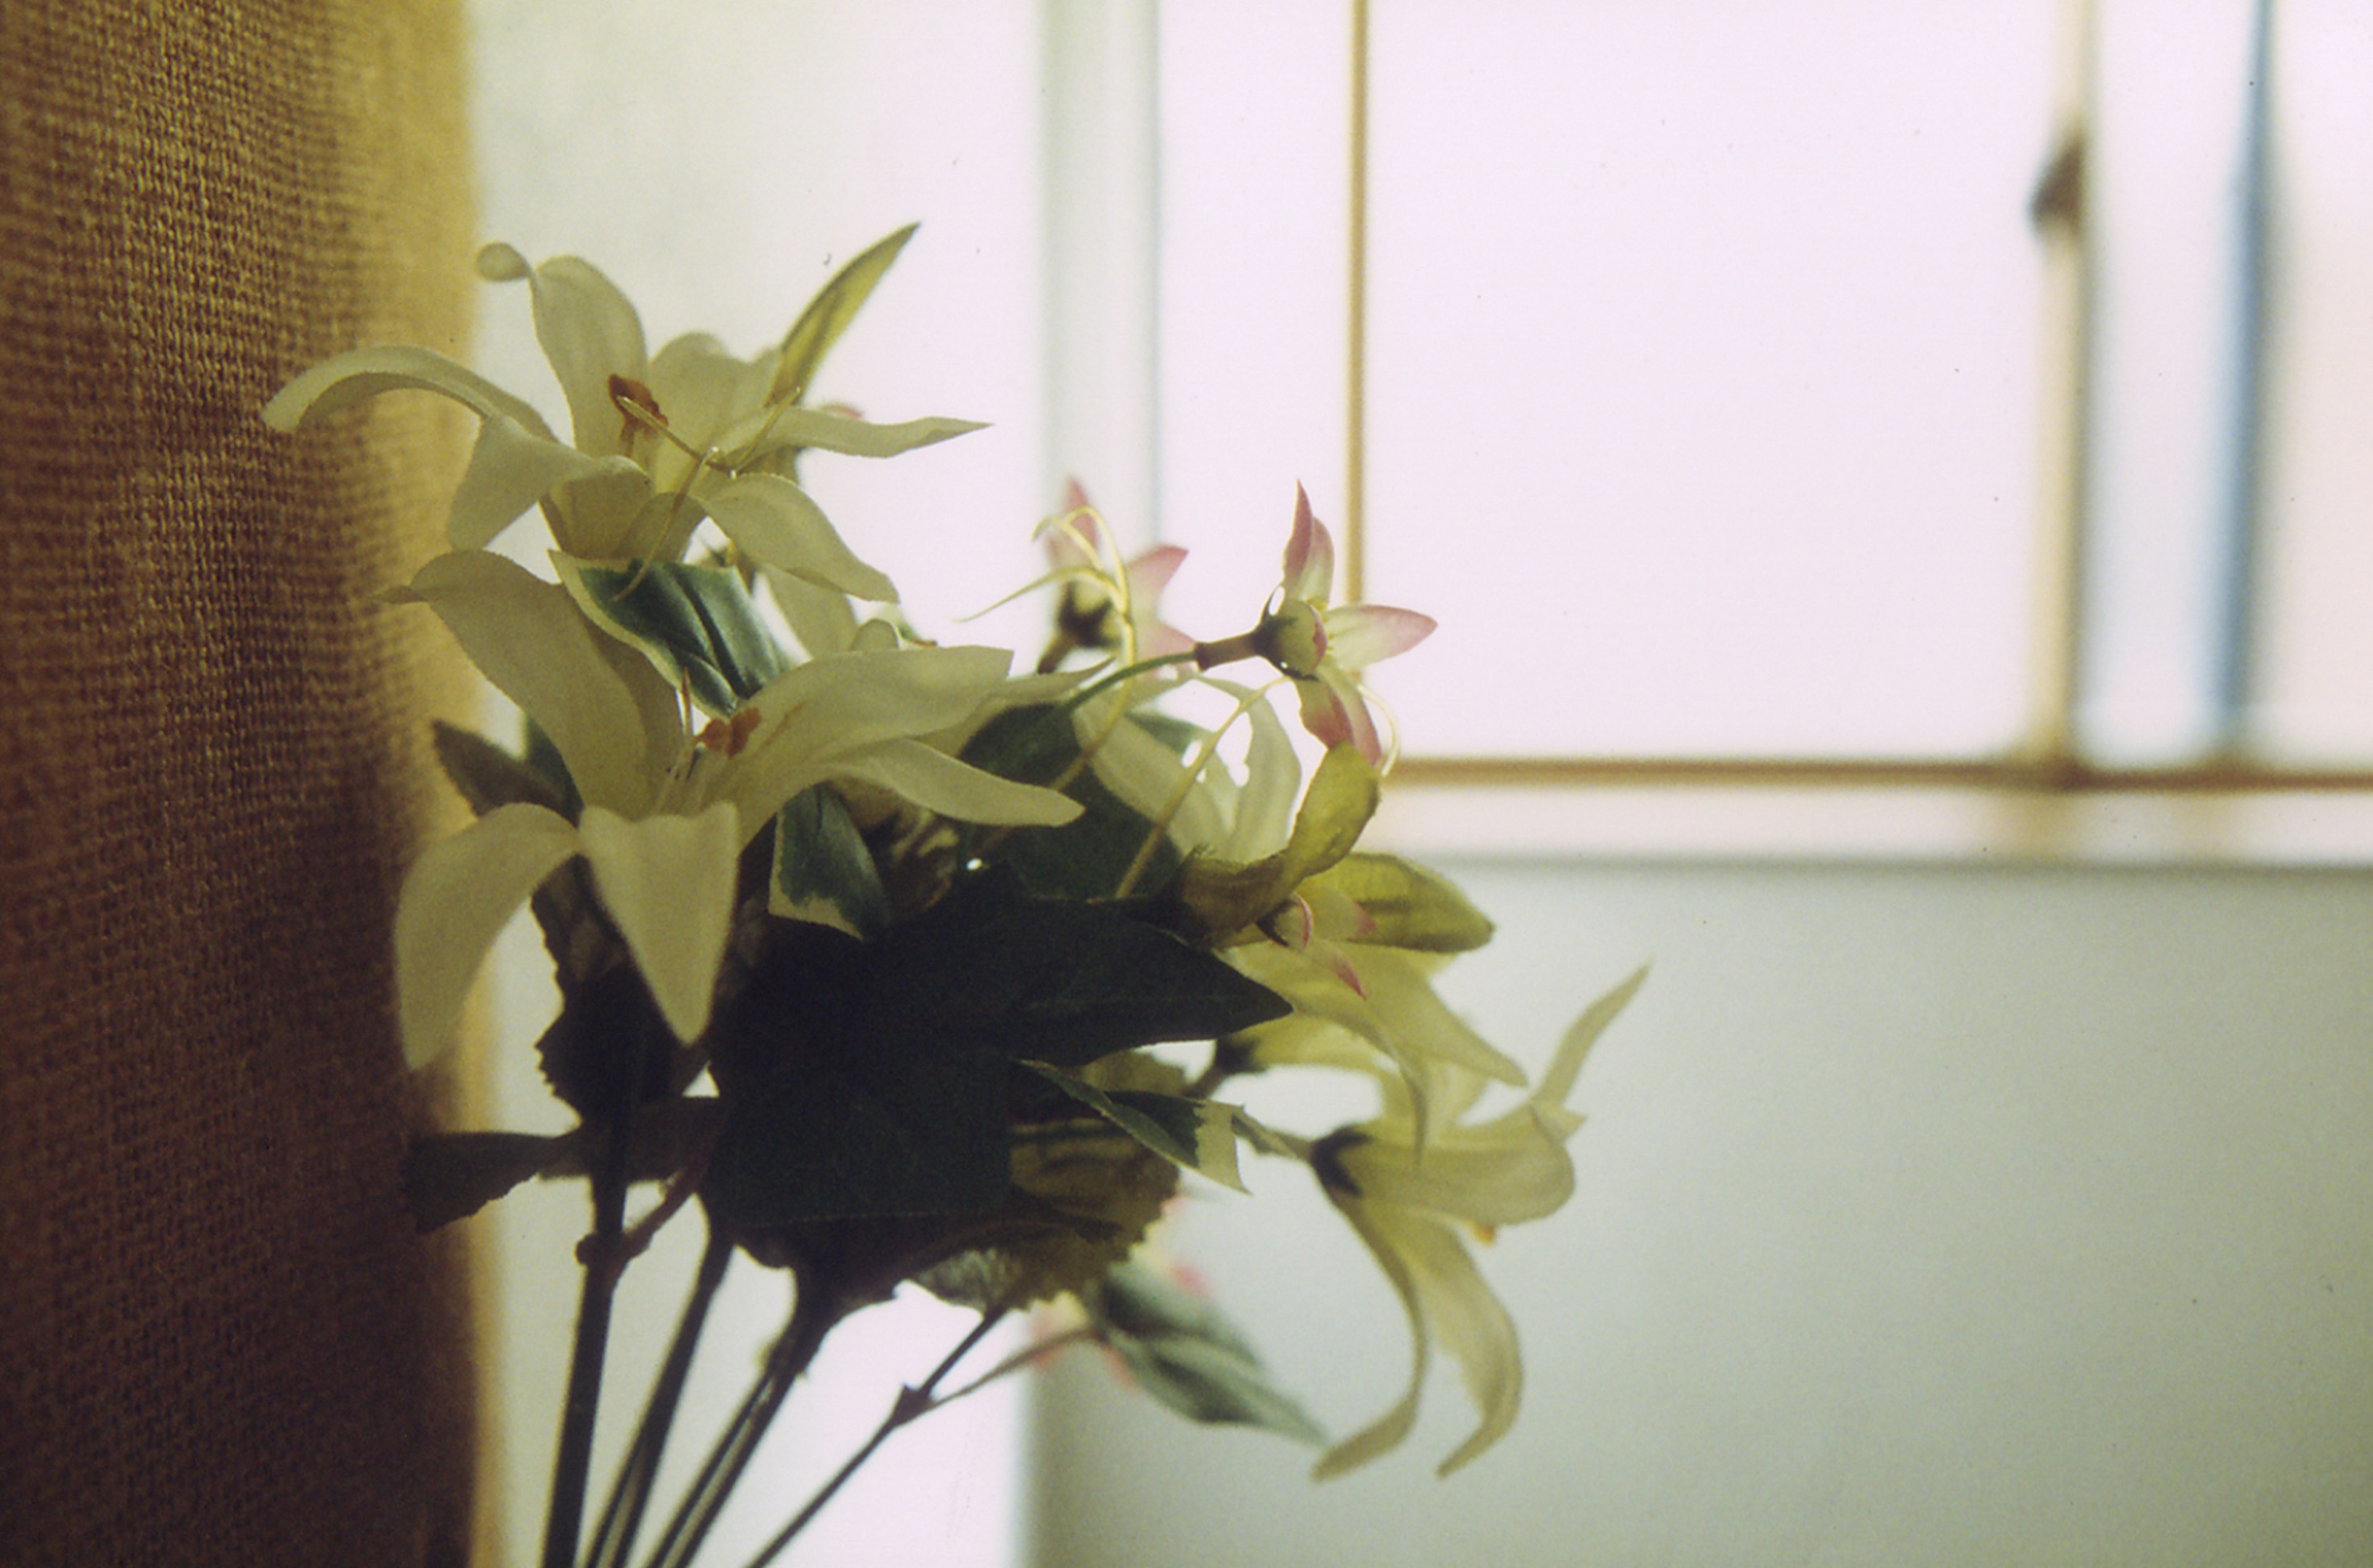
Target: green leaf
x=823 y=870
x=449 y=1175
x=697 y=621
x=487 y=776
x=1086 y=857
x=1193 y=1134
x=1413 y=907
x=1057 y=982
x=1187 y=1354
x=836 y=1109
x=829 y=314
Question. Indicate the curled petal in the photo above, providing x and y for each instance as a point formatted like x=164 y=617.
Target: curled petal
x=667 y=883
x=780 y=526
x=1389 y=1431
x=1336 y=712
x=457 y=898
x=344 y=380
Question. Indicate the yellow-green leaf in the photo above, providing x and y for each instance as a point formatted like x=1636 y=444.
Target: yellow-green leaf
x=829 y=314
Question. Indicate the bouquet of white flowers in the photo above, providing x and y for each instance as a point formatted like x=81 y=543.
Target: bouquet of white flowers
x=861 y=941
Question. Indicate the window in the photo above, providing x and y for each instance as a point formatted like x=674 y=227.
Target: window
x=1761 y=411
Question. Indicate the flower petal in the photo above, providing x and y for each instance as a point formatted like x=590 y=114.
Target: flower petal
x=1309 y=555
x=1389 y=1431
x=344 y=380
x=764 y=434
x=511 y=468
x=668 y=882
x=1361 y=635
x=936 y=781
x=457 y=898
x=590 y=332
x=780 y=526
x=529 y=638
x=1469 y=1321
x=1508 y=1171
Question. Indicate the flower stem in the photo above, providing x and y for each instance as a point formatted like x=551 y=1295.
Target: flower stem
x=910 y=1405
x=621 y=1517
x=812 y=1317
x=600 y=1253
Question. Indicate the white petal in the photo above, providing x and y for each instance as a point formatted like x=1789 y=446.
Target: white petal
x=457 y=898
x=1557 y=1081
x=344 y=379
x=1387 y=1432
x=828 y=431
x=780 y=524
x=1470 y=1323
x=936 y=781
x=511 y=468
x=1507 y=1172
x=840 y=701
x=1146 y=775
x=667 y=883
x=531 y=640
x=1272 y=782
x=590 y=332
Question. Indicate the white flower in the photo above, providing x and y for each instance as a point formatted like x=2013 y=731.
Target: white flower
x=665 y=817
x=660 y=442
x=1408 y=1203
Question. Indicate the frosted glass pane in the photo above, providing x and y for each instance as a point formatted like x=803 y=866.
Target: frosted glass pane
x=2318 y=496
x=1701 y=396
x=1255 y=260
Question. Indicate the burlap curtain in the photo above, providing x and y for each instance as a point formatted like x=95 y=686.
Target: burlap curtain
x=219 y=1339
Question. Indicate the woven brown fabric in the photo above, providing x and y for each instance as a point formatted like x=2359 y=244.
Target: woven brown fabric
x=220 y=1341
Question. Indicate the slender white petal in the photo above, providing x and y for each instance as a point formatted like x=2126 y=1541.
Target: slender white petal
x=1389 y=1431
x=780 y=524
x=1557 y=1081
x=1471 y=1322
x=829 y=432
x=936 y=781
x=1146 y=774
x=529 y=638
x=668 y=882
x=511 y=468
x=344 y=380
x=457 y=898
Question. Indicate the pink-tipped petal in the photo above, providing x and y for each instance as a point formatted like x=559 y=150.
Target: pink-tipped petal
x=1150 y=573
x=1309 y=555
x=1361 y=635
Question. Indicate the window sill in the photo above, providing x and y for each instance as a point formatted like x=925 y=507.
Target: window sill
x=1975 y=814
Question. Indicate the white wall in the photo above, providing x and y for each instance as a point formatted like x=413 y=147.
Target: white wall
x=1926 y=1215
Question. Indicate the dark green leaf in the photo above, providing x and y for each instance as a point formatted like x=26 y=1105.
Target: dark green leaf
x=823 y=870
x=835 y=1109
x=448 y=1175
x=697 y=620
x=1185 y=1354
x=1057 y=982
x=828 y=315
x=487 y=775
